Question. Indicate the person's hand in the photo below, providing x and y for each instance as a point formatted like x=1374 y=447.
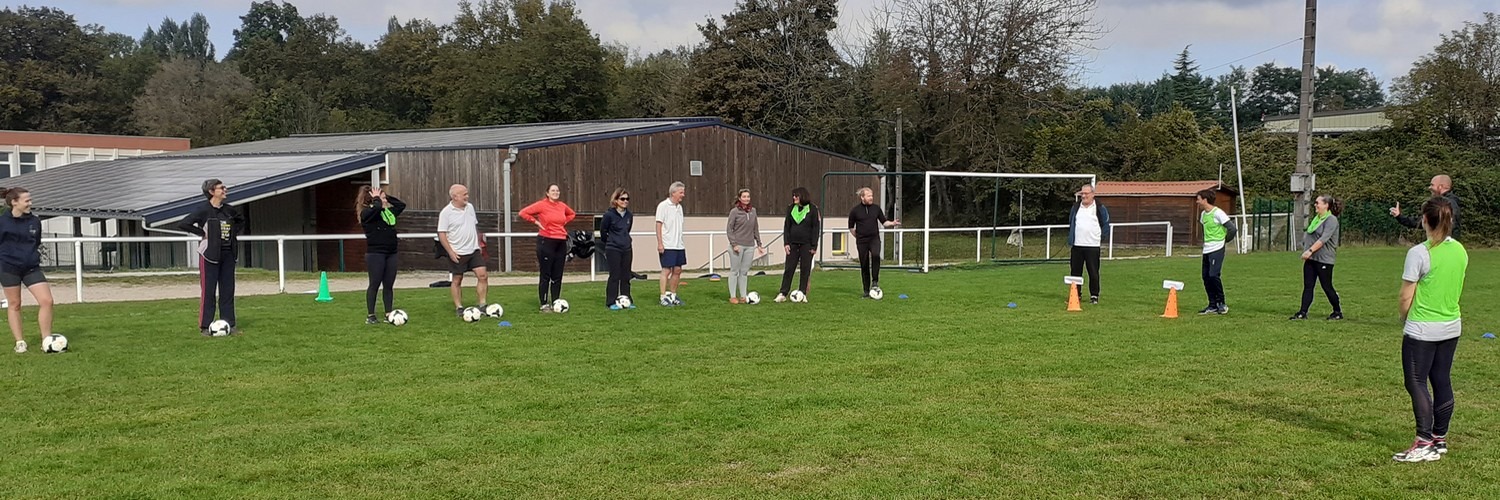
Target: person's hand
x=1306 y=254
x=660 y=249
x=453 y=256
x=375 y=192
x=539 y=224
x=737 y=249
x=788 y=249
x=760 y=251
x=1396 y=210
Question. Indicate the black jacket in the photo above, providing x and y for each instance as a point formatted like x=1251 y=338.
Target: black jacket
x=615 y=229
x=1416 y=221
x=20 y=242
x=809 y=232
x=380 y=237
x=221 y=227
x=866 y=221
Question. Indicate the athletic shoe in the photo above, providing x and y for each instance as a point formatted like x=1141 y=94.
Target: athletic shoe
x=1094 y=299
x=1420 y=451
x=1209 y=309
x=370 y=320
x=666 y=301
x=675 y=300
x=614 y=307
x=1336 y=316
x=20 y=347
x=1223 y=309
x=234 y=330
x=546 y=308
x=780 y=297
x=458 y=311
x=1298 y=316
x=1440 y=444
x=205 y=332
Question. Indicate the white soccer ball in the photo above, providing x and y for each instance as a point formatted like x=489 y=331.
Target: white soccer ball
x=876 y=294
x=623 y=302
x=396 y=317
x=218 y=328
x=560 y=306
x=472 y=314
x=798 y=296
x=54 y=343
x=494 y=310
x=752 y=298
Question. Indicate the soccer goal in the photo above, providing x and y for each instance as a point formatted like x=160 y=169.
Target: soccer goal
x=1050 y=195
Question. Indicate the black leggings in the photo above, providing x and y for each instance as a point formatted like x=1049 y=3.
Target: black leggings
x=382 y=269
x=801 y=256
x=1318 y=272
x=550 y=256
x=1422 y=362
x=619 y=274
x=869 y=261
x=1082 y=258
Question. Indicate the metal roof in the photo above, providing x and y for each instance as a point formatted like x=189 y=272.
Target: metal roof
x=160 y=188
x=449 y=138
x=1180 y=188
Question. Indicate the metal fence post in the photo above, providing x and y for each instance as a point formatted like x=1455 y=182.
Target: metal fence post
x=710 y=253
x=1111 y=243
x=978 y=244
x=281 y=264
x=1049 y=244
x=1169 y=239
x=78 y=270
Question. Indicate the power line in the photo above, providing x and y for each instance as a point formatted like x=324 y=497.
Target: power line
x=1288 y=42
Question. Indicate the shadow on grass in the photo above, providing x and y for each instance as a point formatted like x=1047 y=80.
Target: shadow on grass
x=1300 y=417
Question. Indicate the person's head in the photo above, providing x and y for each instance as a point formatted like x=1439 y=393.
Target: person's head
x=1437 y=218
x=1328 y=204
x=677 y=191
x=214 y=190
x=554 y=193
x=743 y=197
x=620 y=198
x=364 y=198
x=18 y=199
x=1206 y=198
x=1441 y=185
x=1086 y=194
x=800 y=196
x=866 y=196
x=459 y=194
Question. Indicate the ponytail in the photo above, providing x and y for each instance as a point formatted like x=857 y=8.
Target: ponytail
x=1437 y=217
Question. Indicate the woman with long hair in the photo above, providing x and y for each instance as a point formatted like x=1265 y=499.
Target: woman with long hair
x=802 y=231
x=1320 y=242
x=551 y=217
x=1432 y=282
x=21 y=263
x=615 y=228
x=743 y=230
x=377 y=215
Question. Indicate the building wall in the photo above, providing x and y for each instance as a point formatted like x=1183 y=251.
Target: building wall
x=26 y=152
x=287 y=213
x=1181 y=210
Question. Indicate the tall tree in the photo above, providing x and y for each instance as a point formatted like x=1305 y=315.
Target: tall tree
x=57 y=75
x=194 y=99
x=188 y=39
x=1455 y=89
x=647 y=87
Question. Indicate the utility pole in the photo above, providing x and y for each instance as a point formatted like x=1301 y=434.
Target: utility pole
x=1302 y=180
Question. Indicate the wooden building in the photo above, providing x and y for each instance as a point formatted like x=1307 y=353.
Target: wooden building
x=307 y=183
x=1160 y=201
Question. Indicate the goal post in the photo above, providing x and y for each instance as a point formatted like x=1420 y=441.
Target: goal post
x=882 y=190
x=927 y=198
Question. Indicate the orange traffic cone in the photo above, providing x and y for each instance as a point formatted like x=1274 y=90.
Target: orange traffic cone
x=1073 y=298
x=1171 y=311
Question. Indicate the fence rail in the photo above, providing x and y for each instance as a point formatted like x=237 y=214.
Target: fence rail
x=189 y=242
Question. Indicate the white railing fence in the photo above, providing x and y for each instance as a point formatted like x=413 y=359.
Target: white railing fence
x=280 y=240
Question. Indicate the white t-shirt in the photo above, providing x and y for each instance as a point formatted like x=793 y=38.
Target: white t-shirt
x=1086 y=230
x=1221 y=218
x=670 y=216
x=462 y=226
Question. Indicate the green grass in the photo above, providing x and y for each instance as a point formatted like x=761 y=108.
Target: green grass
x=946 y=394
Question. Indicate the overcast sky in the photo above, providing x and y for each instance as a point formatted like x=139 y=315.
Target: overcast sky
x=1385 y=36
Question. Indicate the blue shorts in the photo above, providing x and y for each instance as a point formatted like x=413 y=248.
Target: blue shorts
x=673 y=258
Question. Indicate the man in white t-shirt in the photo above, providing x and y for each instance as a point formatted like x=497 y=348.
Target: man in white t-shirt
x=669 y=244
x=1088 y=226
x=458 y=232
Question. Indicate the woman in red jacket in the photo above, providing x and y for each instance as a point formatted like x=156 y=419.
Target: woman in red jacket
x=551 y=217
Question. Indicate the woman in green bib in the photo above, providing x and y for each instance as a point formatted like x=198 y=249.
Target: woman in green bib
x=801 y=232
x=1320 y=242
x=1431 y=283
x=377 y=215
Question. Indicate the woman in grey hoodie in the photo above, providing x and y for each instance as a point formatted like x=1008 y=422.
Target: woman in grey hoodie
x=744 y=245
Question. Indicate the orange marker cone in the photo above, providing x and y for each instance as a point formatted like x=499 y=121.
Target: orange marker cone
x=1073 y=298
x=1171 y=311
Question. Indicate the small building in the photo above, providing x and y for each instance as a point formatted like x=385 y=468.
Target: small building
x=1331 y=123
x=306 y=184
x=1160 y=201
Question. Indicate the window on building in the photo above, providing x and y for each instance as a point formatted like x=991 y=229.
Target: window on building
x=28 y=163
x=4 y=165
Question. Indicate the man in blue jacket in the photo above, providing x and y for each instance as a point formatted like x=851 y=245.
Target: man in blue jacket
x=1088 y=226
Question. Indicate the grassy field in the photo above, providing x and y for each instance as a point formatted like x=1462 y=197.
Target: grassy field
x=946 y=394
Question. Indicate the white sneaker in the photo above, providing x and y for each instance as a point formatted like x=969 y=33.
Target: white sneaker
x=20 y=346
x=780 y=297
x=1420 y=451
